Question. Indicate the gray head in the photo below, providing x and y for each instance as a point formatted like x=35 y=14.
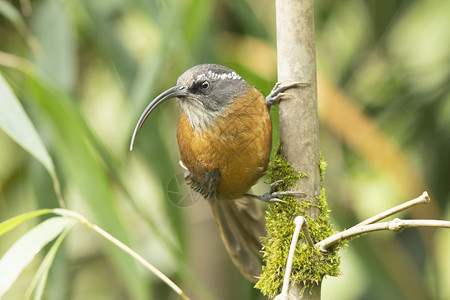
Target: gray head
x=210 y=89
x=204 y=92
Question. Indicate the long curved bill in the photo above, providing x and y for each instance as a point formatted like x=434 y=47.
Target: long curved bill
x=173 y=92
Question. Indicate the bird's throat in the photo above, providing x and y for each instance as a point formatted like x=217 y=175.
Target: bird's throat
x=199 y=117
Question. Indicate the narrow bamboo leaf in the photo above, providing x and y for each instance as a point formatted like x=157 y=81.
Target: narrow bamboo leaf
x=40 y=278
x=9 y=224
x=25 y=249
x=15 y=122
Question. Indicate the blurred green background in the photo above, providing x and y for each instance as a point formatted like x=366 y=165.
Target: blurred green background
x=85 y=70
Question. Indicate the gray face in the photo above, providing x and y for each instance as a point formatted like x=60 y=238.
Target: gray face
x=210 y=89
x=204 y=92
x=214 y=85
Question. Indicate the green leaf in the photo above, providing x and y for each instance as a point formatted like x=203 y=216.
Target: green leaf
x=25 y=249
x=9 y=224
x=15 y=122
x=40 y=278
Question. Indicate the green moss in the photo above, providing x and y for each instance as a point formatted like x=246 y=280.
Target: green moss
x=322 y=167
x=310 y=265
x=302 y=175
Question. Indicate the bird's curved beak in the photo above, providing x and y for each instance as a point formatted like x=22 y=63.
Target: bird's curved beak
x=173 y=92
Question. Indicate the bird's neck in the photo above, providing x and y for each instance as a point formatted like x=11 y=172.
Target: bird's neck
x=199 y=117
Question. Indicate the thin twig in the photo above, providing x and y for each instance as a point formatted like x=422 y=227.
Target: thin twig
x=326 y=243
x=394 y=225
x=300 y=223
x=124 y=247
x=423 y=199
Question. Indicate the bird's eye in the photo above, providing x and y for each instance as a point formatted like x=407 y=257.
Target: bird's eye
x=205 y=85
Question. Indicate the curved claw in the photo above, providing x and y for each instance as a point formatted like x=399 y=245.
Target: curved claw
x=276 y=200
x=288 y=193
x=271 y=196
x=275 y=183
x=277 y=93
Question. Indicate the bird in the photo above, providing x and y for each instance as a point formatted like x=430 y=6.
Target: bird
x=224 y=136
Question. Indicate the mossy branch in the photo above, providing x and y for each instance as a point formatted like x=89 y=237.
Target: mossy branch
x=309 y=264
x=298 y=163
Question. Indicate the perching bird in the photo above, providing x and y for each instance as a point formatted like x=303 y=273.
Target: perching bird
x=224 y=136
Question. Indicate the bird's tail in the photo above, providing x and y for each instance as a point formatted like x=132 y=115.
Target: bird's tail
x=241 y=224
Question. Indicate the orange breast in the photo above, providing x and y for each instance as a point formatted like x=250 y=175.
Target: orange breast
x=238 y=145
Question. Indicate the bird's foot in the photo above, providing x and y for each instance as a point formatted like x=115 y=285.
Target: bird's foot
x=205 y=186
x=272 y=195
x=277 y=93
